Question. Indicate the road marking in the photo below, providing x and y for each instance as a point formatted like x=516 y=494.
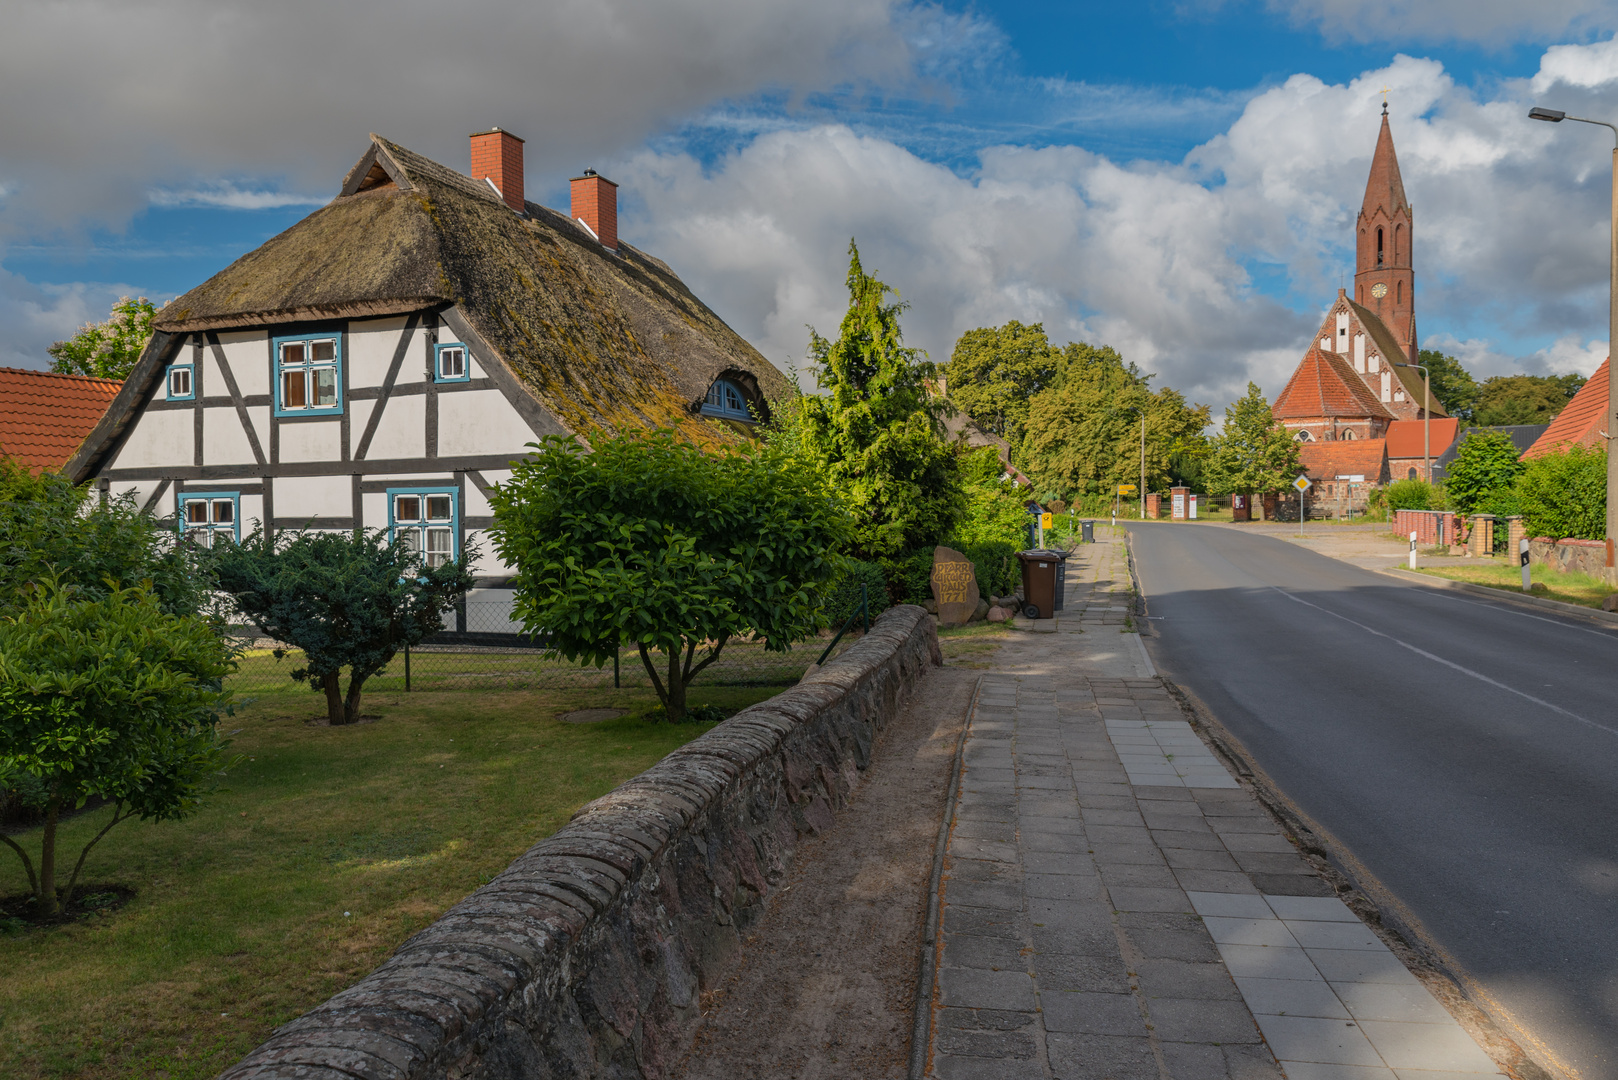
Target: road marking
x=1507 y=607
x=1451 y=664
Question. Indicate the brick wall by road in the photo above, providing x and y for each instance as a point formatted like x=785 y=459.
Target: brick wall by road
x=585 y=958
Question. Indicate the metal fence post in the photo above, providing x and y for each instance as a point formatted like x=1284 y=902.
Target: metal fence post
x=865 y=607
x=407 y=669
x=616 y=649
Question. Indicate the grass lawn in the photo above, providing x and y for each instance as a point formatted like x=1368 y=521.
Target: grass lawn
x=330 y=847
x=1570 y=588
x=973 y=645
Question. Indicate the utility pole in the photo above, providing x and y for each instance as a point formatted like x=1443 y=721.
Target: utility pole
x=1142 y=490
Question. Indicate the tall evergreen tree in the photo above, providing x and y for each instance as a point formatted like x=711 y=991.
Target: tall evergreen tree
x=876 y=429
x=1253 y=453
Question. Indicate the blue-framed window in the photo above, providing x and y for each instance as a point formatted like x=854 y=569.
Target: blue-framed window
x=725 y=399
x=308 y=375
x=208 y=518
x=451 y=363
x=427 y=521
x=182 y=384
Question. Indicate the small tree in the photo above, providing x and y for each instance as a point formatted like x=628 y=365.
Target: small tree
x=875 y=430
x=50 y=529
x=110 y=697
x=1253 y=452
x=1486 y=463
x=107 y=350
x=346 y=599
x=652 y=541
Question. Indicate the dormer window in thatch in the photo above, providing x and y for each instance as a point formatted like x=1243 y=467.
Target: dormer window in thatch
x=725 y=400
x=307 y=379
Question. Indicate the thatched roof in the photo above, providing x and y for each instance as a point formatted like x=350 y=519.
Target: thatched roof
x=603 y=340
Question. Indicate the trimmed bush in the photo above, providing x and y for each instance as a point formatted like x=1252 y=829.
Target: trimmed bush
x=1411 y=495
x=843 y=598
x=996 y=568
x=1565 y=495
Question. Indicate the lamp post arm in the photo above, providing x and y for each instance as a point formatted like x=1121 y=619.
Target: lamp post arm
x=1599 y=123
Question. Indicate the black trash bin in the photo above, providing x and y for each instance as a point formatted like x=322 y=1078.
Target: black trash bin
x=1041 y=582
x=1089 y=532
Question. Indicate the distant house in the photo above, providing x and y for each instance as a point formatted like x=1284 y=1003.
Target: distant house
x=1416 y=445
x=45 y=417
x=382 y=362
x=1580 y=422
x=1344 y=472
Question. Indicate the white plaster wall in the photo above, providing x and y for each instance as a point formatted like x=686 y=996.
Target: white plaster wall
x=313 y=496
x=319 y=441
x=402 y=432
x=370 y=351
x=480 y=422
x=224 y=441
x=249 y=354
x=374 y=510
x=259 y=415
x=159 y=438
x=250 y=513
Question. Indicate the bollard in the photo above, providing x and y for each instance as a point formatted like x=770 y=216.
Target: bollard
x=1522 y=557
x=1412 y=549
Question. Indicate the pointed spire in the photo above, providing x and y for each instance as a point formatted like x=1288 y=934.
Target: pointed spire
x=1384 y=187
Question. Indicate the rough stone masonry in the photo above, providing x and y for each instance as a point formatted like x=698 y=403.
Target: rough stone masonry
x=586 y=957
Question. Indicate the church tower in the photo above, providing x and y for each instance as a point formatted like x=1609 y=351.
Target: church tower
x=1384 y=277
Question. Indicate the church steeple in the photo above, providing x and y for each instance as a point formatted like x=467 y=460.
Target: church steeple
x=1384 y=274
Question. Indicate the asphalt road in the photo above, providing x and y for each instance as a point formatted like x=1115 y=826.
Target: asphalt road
x=1465 y=751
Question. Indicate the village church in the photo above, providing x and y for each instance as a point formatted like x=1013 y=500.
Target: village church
x=1355 y=403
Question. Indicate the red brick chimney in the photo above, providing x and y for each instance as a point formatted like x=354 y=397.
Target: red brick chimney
x=595 y=203
x=497 y=157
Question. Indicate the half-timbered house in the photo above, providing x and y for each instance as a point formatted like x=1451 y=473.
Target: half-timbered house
x=382 y=362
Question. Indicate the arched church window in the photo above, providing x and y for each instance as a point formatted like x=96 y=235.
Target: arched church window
x=1349 y=434
x=1379 y=245
x=725 y=400
x=1398 y=242
x=1304 y=436
x=1399 y=292
x=1411 y=475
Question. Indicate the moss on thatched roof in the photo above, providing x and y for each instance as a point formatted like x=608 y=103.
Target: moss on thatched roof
x=602 y=339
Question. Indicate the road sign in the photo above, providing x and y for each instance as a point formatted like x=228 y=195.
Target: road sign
x=1302 y=484
x=1126 y=489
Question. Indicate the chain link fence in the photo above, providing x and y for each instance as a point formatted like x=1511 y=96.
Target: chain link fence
x=482 y=649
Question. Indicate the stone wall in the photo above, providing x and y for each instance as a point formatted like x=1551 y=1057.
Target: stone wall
x=587 y=956
x=1584 y=556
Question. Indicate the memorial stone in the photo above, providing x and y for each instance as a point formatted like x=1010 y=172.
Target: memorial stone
x=955 y=587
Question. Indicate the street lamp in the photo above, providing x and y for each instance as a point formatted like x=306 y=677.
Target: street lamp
x=1554 y=116
x=1426 y=421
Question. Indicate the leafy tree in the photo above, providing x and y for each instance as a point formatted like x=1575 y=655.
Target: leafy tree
x=875 y=430
x=1083 y=433
x=106 y=697
x=1253 y=452
x=346 y=599
x=648 y=540
x=1563 y=495
x=995 y=507
x=1451 y=384
x=993 y=371
x=1485 y=464
x=50 y=528
x=107 y=350
x=1524 y=399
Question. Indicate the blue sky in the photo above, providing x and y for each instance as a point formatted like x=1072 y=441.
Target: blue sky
x=1176 y=179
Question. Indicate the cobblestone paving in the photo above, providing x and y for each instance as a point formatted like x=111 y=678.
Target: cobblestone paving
x=1074 y=943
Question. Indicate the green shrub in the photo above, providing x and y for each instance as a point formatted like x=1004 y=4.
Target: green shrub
x=1565 y=495
x=996 y=568
x=1485 y=465
x=909 y=576
x=1411 y=495
x=843 y=598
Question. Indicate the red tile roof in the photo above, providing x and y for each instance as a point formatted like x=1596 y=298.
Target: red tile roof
x=1579 y=422
x=1346 y=457
x=44 y=416
x=1405 y=436
x=1324 y=385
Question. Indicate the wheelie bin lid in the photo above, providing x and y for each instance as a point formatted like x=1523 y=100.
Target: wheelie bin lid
x=1042 y=555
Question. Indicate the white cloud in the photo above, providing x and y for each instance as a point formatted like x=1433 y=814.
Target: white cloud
x=1159 y=259
x=1584 y=66
x=230 y=197
x=35 y=316
x=1485 y=22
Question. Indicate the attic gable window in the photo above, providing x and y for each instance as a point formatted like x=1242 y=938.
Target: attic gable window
x=308 y=376
x=725 y=400
x=181 y=387
x=450 y=363
x=424 y=520
x=208 y=518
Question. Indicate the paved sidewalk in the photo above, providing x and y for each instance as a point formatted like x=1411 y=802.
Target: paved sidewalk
x=1106 y=878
